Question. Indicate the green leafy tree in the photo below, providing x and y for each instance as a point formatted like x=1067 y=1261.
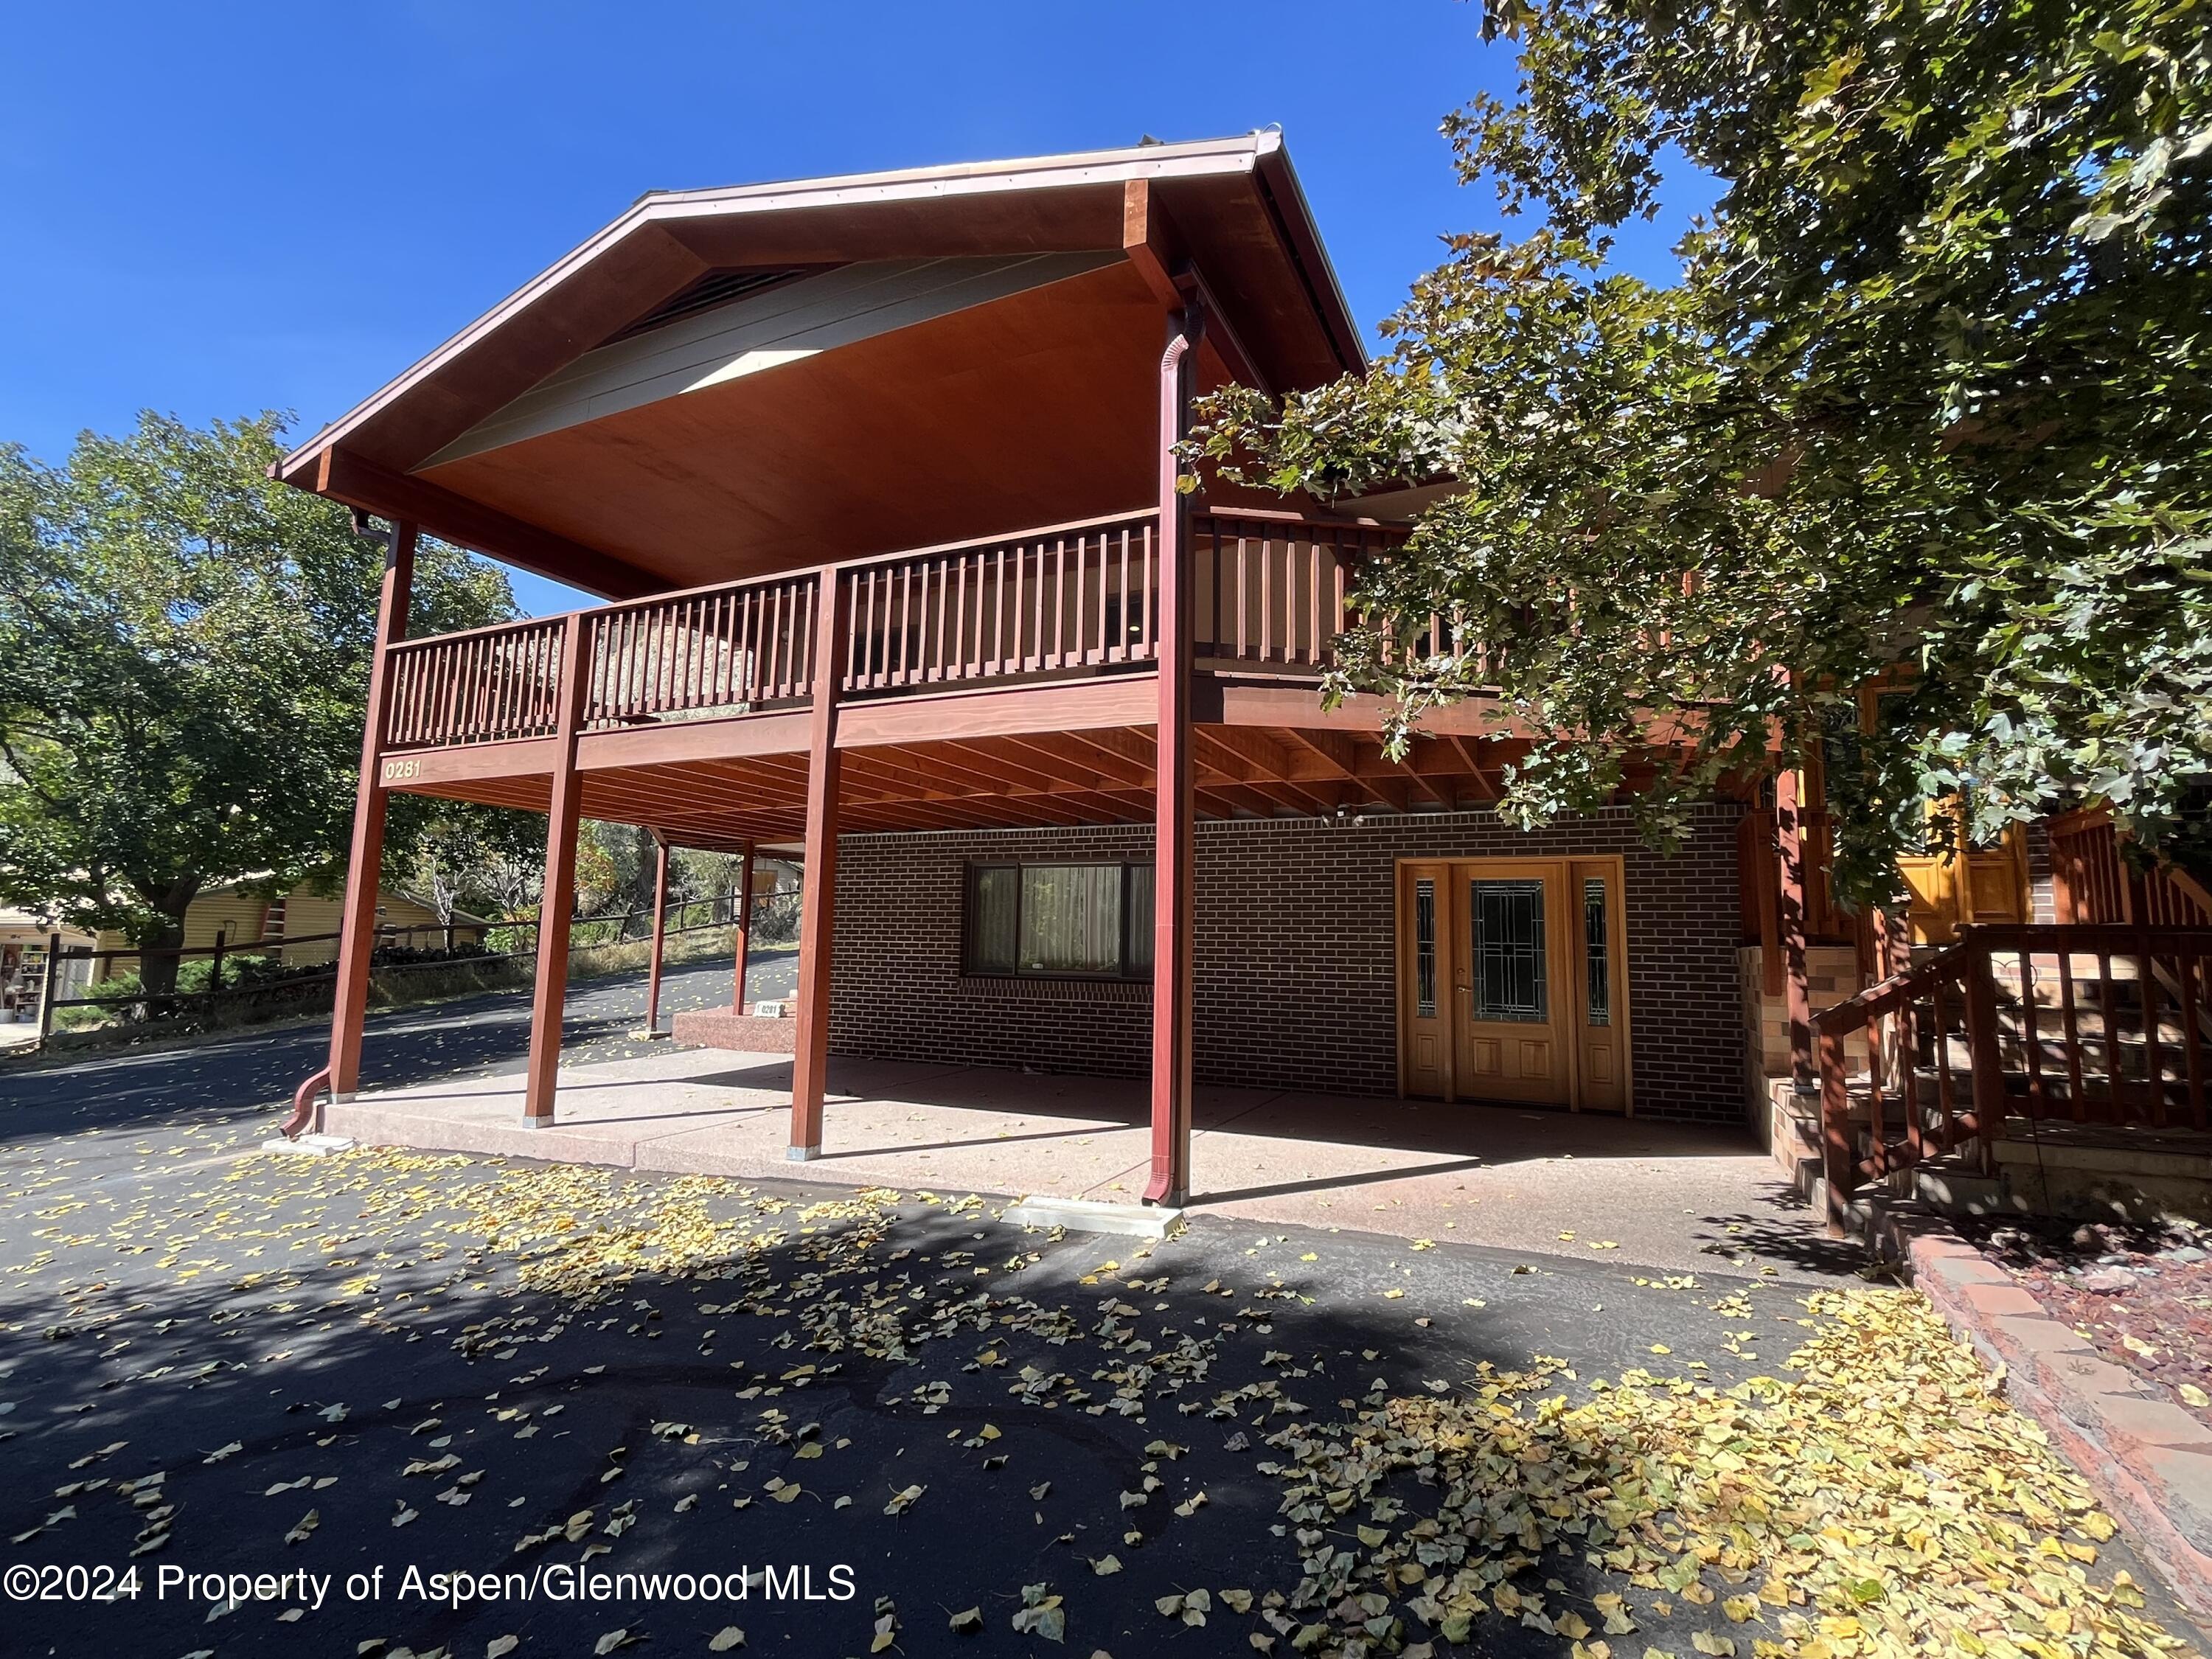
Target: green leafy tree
x=1932 y=397
x=487 y=860
x=184 y=647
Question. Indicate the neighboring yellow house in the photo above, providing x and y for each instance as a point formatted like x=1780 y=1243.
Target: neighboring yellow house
x=23 y=941
x=243 y=917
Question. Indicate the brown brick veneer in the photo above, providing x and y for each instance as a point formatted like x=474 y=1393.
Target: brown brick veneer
x=1296 y=954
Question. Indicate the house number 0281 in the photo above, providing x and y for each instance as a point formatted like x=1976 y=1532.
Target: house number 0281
x=396 y=771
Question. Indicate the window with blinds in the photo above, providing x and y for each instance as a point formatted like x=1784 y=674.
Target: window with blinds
x=1059 y=920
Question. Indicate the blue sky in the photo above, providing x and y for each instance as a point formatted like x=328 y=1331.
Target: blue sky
x=215 y=210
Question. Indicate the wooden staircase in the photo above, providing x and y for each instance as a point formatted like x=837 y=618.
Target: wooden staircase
x=2083 y=1036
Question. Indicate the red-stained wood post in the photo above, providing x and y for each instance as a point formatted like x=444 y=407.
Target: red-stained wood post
x=742 y=909
x=365 y=856
x=1173 y=832
x=1789 y=849
x=660 y=935
x=556 y=907
x=817 y=900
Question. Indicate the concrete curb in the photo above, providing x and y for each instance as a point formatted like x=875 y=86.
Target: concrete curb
x=2148 y=1461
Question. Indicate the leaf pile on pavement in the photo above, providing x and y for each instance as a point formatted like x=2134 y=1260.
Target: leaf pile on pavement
x=1883 y=1502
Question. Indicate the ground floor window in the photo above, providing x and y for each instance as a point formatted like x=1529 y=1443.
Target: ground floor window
x=1059 y=920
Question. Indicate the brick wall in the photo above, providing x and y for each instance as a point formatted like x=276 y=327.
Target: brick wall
x=1295 y=954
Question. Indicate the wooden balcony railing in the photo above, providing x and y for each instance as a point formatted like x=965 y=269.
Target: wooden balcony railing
x=484 y=686
x=1044 y=602
x=1267 y=590
x=2092 y=881
x=1273 y=589
x=703 y=655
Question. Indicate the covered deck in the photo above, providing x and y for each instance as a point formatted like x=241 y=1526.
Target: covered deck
x=880 y=476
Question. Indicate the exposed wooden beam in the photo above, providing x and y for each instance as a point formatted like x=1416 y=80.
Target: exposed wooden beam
x=347 y=477
x=1162 y=257
x=1465 y=748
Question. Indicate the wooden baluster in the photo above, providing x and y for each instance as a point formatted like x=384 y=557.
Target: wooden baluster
x=488 y=697
x=661 y=631
x=872 y=625
x=960 y=665
x=1058 y=657
x=2116 y=1100
x=465 y=681
x=652 y=658
x=744 y=649
x=1105 y=560
x=2070 y=1029
x=1877 y=1124
x=1985 y=1072
x=503 y=686
x=1908 y=1078
x=935 y=621
x=1151 y=607
x=1113 y=591
x=1944 y=1087
x=1313 y=600
x=526 y=690
x=776 y=621
x=1035 y=659
x=464 y=722
x=549 y=675
x=883 y=581
x=418 y=699
x=1071 y=599
x=904 y=576
x=1837 y=1159
x=618 y=659
x=773 y=655
x=2031 y=1020
x=2153 y=1061
x=1267 y=586
x=1339 y=599
x=402 y=670
x=449 y=722
x=2189 y=965
x=1243 y=587
x=676 y=646
x=1120 y=645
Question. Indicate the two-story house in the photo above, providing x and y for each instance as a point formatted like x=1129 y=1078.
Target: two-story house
x=875 y=474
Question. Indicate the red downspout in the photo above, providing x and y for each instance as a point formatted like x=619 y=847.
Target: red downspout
x=306 y=1104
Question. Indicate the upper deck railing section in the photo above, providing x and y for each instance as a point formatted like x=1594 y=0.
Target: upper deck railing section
x=1267 y=590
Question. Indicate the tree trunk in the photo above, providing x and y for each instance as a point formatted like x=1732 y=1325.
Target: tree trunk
x=157 y=974
x=164 y=930
x=645 y=861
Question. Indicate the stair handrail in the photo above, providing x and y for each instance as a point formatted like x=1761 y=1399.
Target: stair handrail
x=1841 y=1167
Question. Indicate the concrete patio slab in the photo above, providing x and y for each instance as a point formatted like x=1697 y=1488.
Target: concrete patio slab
x=1668 y=1196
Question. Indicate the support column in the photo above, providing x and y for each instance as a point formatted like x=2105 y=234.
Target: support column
x=660 y=936
x=741 y=910
x=817 y=900
x=1789 y=852
x=1172 y=828
x=365 y=855
x=556 y=907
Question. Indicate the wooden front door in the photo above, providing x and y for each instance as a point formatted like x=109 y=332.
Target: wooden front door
x=1969 y=883
x=1512 y=981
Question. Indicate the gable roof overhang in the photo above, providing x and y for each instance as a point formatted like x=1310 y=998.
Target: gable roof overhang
x=1224 y=217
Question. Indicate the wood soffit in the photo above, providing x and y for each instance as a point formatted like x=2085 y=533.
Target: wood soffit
x=1231 y=209
x=1102 y=775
